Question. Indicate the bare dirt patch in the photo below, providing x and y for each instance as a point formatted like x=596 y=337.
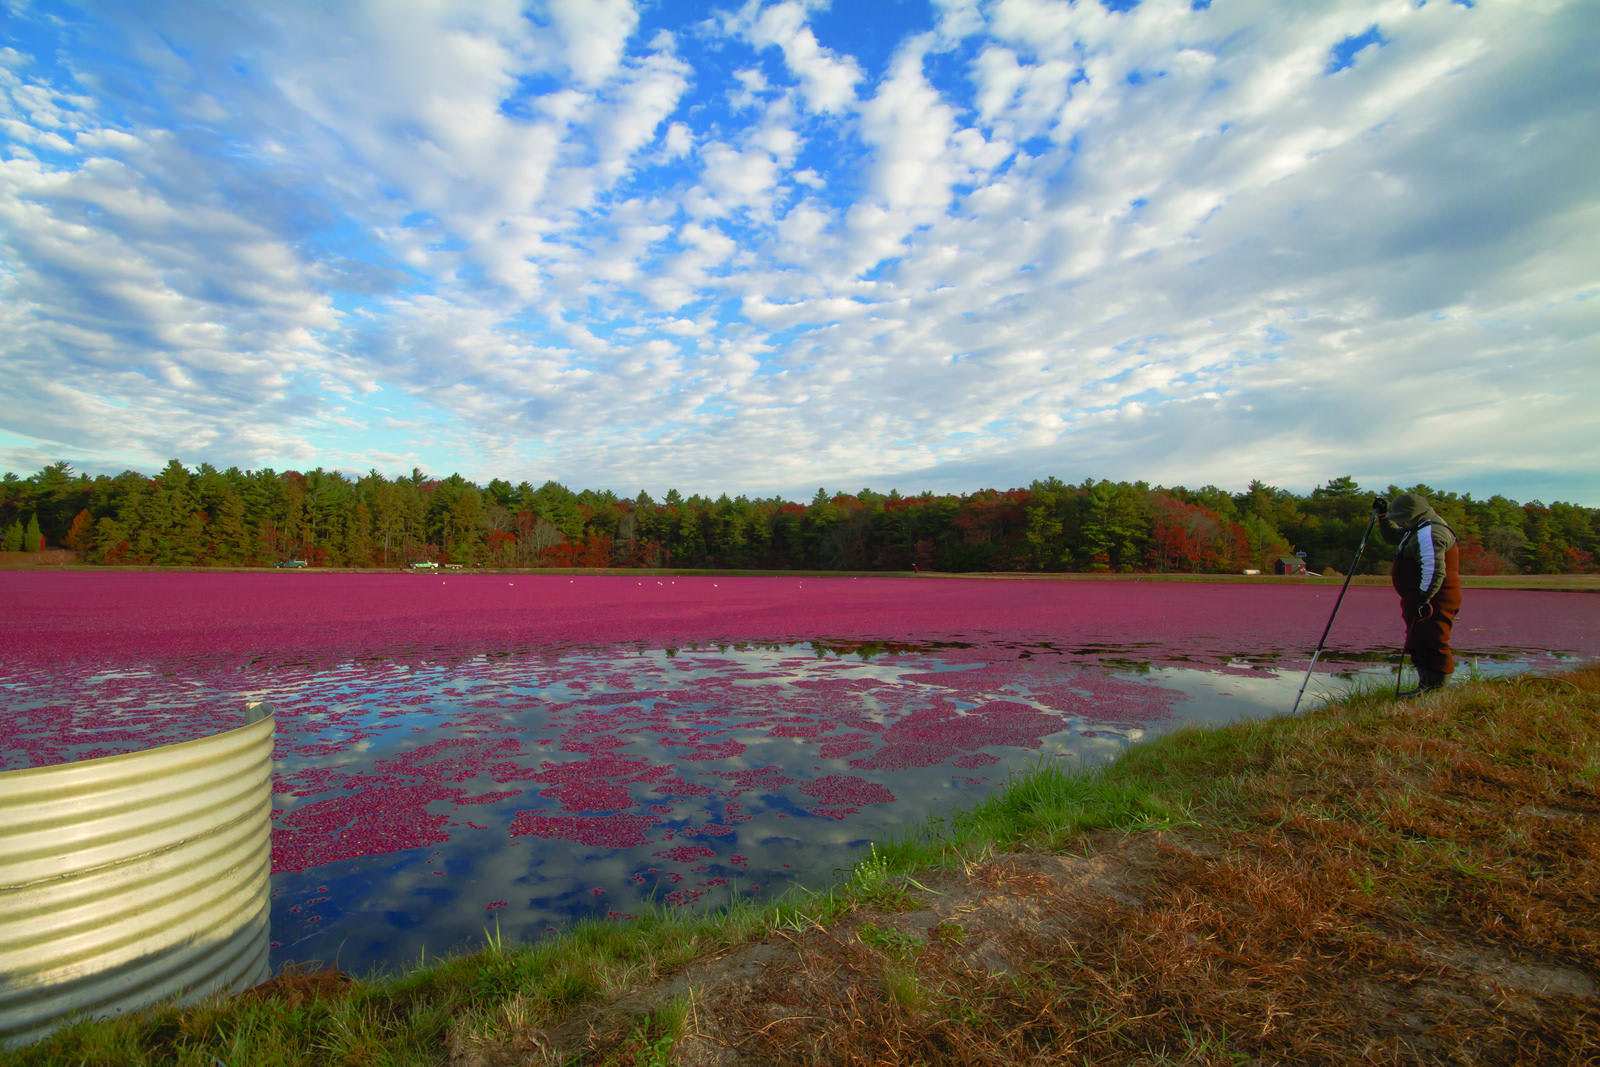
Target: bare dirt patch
x=50 y=557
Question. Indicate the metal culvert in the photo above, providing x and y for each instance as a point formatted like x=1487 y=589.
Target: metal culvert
x=134 y=878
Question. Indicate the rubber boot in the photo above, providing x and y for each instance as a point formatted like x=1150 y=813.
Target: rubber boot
x=1426 y=681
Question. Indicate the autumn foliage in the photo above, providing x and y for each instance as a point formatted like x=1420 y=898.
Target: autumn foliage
x=207 y=517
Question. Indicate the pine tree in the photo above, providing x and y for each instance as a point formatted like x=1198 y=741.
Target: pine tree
x=32 y=538
x=110 y=542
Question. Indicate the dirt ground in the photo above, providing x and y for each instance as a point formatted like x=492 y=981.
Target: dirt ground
x=50 y=557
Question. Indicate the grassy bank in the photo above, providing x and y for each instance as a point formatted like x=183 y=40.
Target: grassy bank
x=1370 y=881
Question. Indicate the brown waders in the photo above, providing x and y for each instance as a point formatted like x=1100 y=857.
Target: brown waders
x=1428 y=637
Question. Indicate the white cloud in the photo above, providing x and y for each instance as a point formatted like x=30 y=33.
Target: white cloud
x=679 y=141
x=593 y=34
x=827 y=82
x=957 y=20
x=739 y=178
x=910 y=127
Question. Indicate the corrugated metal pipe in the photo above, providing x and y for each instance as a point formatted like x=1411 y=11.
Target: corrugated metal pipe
x=130 y=879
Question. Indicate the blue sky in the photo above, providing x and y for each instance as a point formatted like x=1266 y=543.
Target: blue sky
x=764 y=247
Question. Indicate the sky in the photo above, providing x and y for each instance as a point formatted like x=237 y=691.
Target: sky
x=763 y=248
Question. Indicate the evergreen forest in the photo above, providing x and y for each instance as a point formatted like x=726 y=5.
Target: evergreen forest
x=209 y=517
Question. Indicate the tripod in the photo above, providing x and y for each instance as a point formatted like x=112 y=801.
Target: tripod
x=1347 y=576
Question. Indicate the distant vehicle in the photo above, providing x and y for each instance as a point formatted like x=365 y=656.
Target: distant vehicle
x=425 y=565
x=293 y=563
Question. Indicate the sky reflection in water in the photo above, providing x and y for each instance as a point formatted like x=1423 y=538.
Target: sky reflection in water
x=548 y=787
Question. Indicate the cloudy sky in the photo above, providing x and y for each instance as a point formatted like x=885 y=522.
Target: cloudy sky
x=761 y=247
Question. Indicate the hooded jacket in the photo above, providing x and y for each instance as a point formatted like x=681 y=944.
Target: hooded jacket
x=1421 y=536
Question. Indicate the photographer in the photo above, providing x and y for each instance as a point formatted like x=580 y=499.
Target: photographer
x=1427 y=575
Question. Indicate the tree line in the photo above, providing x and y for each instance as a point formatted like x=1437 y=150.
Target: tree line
x=233 y=517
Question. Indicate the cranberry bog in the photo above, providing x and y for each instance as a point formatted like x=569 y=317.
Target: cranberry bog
x=463 y=752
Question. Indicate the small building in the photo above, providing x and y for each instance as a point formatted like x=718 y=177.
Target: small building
x=1291 y=565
